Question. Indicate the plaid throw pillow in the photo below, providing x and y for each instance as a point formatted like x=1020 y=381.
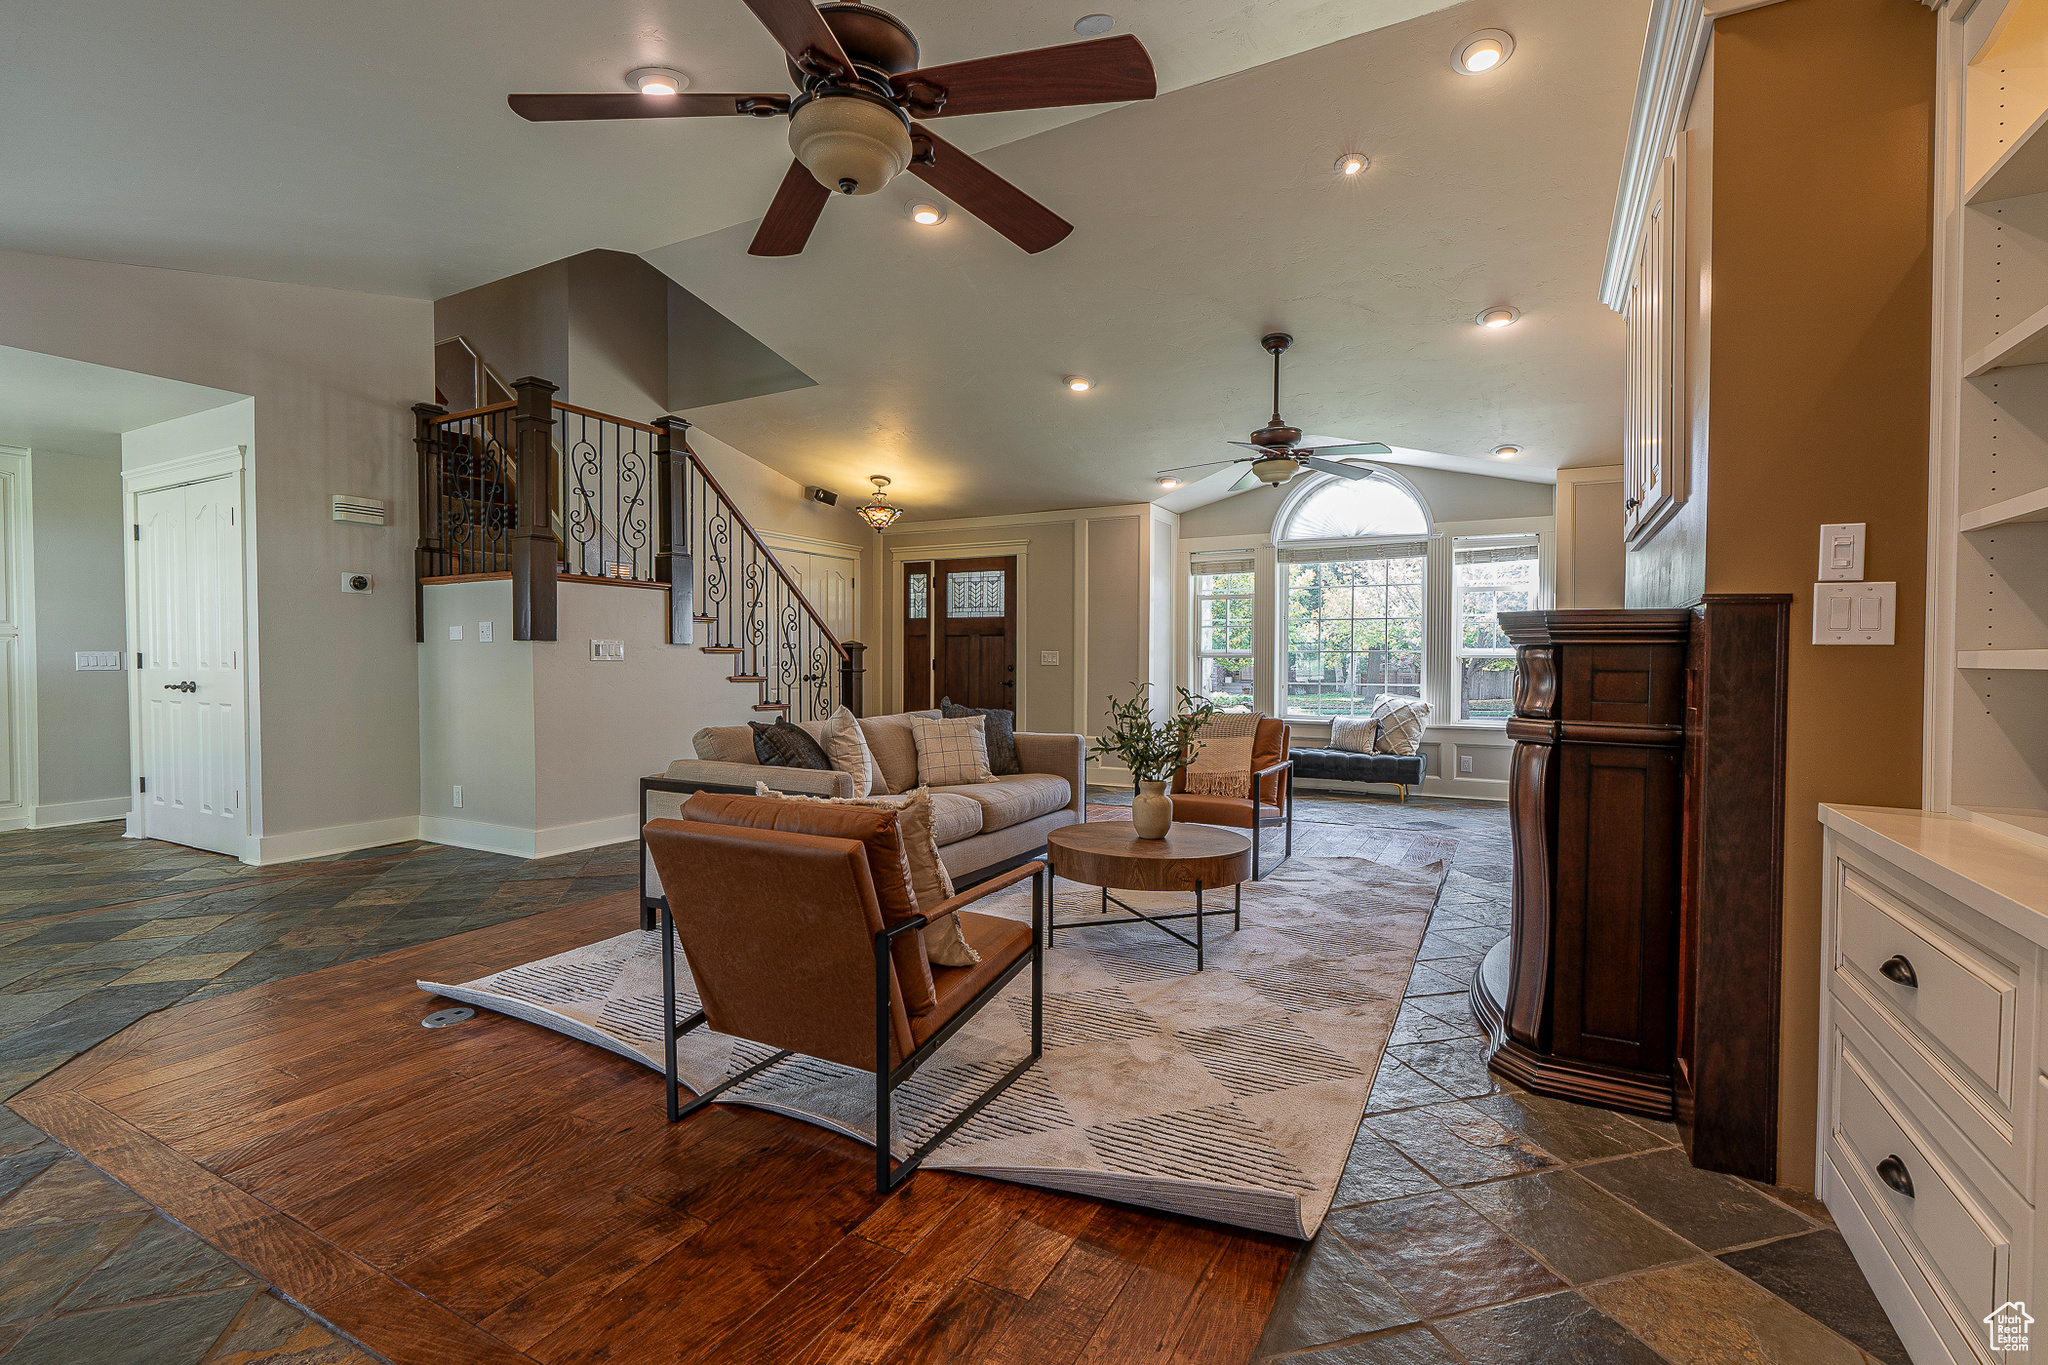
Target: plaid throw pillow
x=783 y=745
x=1001 y=734
x=951 y=753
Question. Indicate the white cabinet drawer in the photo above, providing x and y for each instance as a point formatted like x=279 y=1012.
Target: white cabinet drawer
x=1954 y=996
x=1959 y=1245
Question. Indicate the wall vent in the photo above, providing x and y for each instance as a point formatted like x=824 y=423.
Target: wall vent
x=368 y=511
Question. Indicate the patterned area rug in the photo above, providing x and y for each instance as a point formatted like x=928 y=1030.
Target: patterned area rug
x=1231 y=1094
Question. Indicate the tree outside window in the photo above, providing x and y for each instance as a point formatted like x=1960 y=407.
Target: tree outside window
x=1354 y=628
x=1494 y=574
x=1223 y=631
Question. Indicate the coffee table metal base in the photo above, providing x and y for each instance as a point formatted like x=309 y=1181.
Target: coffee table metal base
x=1199 y=915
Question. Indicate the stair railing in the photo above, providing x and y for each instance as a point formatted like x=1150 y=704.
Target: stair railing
x=541 y=490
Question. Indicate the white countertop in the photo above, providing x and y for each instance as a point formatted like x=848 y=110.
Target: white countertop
x=1999 y=876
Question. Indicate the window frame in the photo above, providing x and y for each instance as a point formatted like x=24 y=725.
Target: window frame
x=1455 y=683
x=1283 y=590
x=1196 y=565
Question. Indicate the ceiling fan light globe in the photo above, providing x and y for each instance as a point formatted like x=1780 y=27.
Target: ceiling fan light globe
x=1275 y=471
x=851 y=145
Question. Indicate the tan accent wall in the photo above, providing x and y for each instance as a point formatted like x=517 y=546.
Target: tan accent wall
x=1821 y=277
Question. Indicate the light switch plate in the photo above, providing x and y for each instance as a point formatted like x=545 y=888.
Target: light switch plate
x=1855 y=613
x=1049 y=656
x=483 y=631
x=607 y=651
x=1841 y=552
x=96 y=661
x=455 y=632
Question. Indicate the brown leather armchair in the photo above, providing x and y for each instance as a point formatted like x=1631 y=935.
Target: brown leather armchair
x=801 y=930
x=1271 y=804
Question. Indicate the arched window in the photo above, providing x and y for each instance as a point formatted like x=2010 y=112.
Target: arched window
x=1352 y=555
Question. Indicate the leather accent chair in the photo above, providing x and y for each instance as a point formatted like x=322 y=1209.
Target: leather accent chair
x=1270 y=806
x=801 y=930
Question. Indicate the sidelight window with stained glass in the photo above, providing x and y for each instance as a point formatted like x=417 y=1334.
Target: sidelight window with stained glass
x=1224 y=590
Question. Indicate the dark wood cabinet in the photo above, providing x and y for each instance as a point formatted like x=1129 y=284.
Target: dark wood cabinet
x=1647 y=806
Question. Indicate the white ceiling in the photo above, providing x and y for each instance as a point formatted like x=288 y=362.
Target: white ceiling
x=1204 y=219
x=367 y=146
x=82 y=409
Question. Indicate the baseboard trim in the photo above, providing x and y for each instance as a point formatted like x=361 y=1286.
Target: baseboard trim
x=319 y=843
x=80 y=812
x=529 y=843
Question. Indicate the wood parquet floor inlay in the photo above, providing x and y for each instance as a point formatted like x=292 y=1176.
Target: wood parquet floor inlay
x=495 y=1192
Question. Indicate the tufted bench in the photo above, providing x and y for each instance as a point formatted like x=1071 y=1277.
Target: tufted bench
x=1342 y=765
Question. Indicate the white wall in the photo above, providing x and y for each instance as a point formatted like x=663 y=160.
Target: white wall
x=81 y=718
x=332 y=375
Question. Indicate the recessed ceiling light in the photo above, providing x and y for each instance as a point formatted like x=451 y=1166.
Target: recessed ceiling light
x=926 y=215
x=1498 y=317
x=1351 y=163
x=1482 y=51
x=1506 y=452
x=1168 y=481
x=1093 y=25
x=1079 y=383
x=658 y=80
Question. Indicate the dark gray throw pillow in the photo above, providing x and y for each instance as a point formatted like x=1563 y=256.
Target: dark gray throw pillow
x=783 y=745
x=1000 y=729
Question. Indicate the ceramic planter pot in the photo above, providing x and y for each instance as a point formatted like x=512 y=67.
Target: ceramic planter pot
x=1151 y=811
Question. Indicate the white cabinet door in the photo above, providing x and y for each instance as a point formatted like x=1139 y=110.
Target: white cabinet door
x=188 y=593
x=1654 y=440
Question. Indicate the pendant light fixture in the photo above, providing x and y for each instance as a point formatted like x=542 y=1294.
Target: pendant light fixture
x=879 y=513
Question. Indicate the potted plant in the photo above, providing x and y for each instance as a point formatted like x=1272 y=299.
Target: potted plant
x=1153 y=751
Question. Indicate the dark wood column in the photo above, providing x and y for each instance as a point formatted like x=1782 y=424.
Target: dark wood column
x=534 y=548
x=672 y=562
x=1580 y=1000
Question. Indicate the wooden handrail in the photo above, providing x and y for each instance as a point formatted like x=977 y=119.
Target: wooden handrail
x=602 y=417
x=506 y=406
x=767 y=553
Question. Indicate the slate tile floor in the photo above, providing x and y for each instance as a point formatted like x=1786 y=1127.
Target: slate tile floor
x=1474 y=1223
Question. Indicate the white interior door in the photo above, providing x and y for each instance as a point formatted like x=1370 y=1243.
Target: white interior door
x=826 y=576
x=17 y=715
x=188 y=593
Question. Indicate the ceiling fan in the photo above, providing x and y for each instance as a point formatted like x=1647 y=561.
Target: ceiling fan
x=1282 y=451
x=853 y=125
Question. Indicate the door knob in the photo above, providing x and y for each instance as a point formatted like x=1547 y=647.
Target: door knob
x=181 y=687
x=1897 y=968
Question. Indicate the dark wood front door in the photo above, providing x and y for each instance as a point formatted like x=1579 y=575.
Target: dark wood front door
x=973 y=621
x=917 y=636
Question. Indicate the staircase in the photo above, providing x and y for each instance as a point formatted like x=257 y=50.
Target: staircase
x=538 y=491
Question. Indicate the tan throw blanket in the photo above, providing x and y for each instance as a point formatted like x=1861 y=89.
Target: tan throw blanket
x=1223 y=765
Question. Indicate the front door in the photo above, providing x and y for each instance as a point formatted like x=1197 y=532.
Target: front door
x=188 y=593
x=974 y=631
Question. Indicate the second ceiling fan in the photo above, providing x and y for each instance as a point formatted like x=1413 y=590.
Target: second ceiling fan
x=1282 y=451
x=853 y=122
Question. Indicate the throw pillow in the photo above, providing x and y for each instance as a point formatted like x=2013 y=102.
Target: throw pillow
x=951 y=753
x=1400 y=721
x=1002 y=734
x=1354 y=734
x=929 y=882
x=783 y=745
x=895 y=751
x=848 y=750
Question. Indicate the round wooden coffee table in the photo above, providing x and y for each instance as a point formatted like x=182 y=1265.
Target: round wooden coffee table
x=1108 y=854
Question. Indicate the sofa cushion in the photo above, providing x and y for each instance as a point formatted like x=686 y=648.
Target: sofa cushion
x=894 y=750
x=998 y=941
x=1007 y=801
x=1336 y=765
x=1233 y=811
x=839 y=735
x=724 y=743
x=952 y=753
x=1001 y=734
x=954 y=817
x=888 y=866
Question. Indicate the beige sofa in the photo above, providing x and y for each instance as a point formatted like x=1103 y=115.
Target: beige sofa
x=983 y=828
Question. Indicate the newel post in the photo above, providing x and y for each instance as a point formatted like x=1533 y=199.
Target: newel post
x=672 y=562
x=426 y=555
x=534 y=550
x=850 y=676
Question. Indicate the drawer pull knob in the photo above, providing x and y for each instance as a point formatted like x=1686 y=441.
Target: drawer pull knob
x=1892 y=1172
x=1896 y=968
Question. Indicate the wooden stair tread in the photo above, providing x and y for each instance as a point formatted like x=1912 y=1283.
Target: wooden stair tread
x=748 y=677
x=721 y=649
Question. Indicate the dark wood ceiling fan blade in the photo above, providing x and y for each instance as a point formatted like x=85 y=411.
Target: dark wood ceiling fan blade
x=1342 y=471
x=988 y=196
x=1100 y=71
x=792 y=215
x=802 y=31
x=569 y=108
x=1249 y=480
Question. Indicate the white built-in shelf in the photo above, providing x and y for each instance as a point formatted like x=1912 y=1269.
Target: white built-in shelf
x=2020 y=169
x=2026 y=507
x=2026 y=343
x=2028 y=825
x=2002 y=658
